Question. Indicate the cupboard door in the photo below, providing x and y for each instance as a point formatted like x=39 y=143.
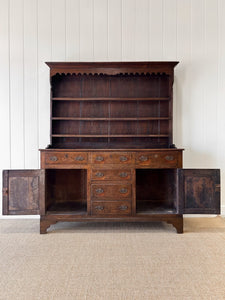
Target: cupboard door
x=23 y=192
x=199 y=191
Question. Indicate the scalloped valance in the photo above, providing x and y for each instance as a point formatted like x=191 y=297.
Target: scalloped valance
x=111 y=68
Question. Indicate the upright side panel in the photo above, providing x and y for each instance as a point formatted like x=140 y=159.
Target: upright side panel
x=23 y=192
x=199 y=191
x=5 y=195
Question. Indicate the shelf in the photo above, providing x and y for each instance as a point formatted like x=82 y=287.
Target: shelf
x=87 y=145
x=126 y=110
x=157 y=210
x=152 y=206
x=111 y=135
x=71 y=207
x=110 y=99
x=109 y=119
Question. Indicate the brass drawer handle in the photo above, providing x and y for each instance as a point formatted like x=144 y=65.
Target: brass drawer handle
x=123 y=191
x=99 y=191
x=53 y=158
x=79 y=158
x=123 y=207
x=99 y=158
x=99 y=174
x=143 y=158
x=169 y=157
x=99 y=207
x=123 y=174
x=123 y=158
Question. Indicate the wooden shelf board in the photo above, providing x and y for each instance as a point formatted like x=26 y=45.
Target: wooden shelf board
x=67 y=207
x=110 y=98
x=156 y=211
x=112 y=135
x=154 y=206
x=109 y=119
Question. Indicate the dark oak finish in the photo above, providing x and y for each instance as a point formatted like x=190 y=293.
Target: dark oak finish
x=111 y=191
x=111 y=104
x=66 y=158
x=23 y=192
x=159 y=160
x=111 y=155
x=200 y=191
x=115 y=208
x=112 y=158
x=111 y=174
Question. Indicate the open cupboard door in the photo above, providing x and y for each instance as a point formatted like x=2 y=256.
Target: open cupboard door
x=199 y=191
x=23 y=192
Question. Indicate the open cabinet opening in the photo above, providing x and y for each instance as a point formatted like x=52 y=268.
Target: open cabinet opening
x=156 y=191
x=66 y=191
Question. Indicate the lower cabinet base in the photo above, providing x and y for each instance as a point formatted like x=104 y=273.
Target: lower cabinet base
x=174 y=219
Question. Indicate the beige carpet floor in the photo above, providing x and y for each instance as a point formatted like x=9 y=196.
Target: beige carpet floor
x=112 y=261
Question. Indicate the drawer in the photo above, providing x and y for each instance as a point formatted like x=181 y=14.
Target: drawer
x=111 y=208
x=104 y=174
x=111 y=191
x=158 y=160
x=112 y=158
x=66 y=158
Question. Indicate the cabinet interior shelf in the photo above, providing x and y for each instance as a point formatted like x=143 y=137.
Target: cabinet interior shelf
x=110 y=119
x=67 y=207
x=156 y=211
x=110 y=135
x=111 y=98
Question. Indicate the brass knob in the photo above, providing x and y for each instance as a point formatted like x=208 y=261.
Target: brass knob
x=123 y=207
x=123 y=158
x=123 y=191
x=99 y=207
x=99 y=191
x=143 y=158
x=99 y=174
x=79 y=158
x=53 y=158
x=99 y=158
x=123 y=174
x=169 y=157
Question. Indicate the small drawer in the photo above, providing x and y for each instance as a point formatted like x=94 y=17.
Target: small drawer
x=71 y=158
x=111 y=191
x=112 y=158
x=103 y=174
x=158 y=159
x=111 y=208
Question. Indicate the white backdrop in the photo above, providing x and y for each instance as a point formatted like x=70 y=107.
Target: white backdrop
x=189 y=31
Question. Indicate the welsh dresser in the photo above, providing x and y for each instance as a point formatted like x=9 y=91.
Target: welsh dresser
x=111 y=155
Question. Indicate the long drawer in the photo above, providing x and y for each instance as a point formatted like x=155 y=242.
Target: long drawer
x=70 y=158
x=106 y=174
x=112 y=158
x=111 y=208
x=159 y=159
x=111 y=191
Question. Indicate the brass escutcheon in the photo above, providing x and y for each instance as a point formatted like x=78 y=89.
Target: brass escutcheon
x=79 y=158
x=53 y=158
x=99 y=191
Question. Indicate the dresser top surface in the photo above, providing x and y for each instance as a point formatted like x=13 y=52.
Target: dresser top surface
x=112 y=150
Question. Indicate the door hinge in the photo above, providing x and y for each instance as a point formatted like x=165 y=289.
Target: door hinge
x=217 y=187
x=5 y=191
